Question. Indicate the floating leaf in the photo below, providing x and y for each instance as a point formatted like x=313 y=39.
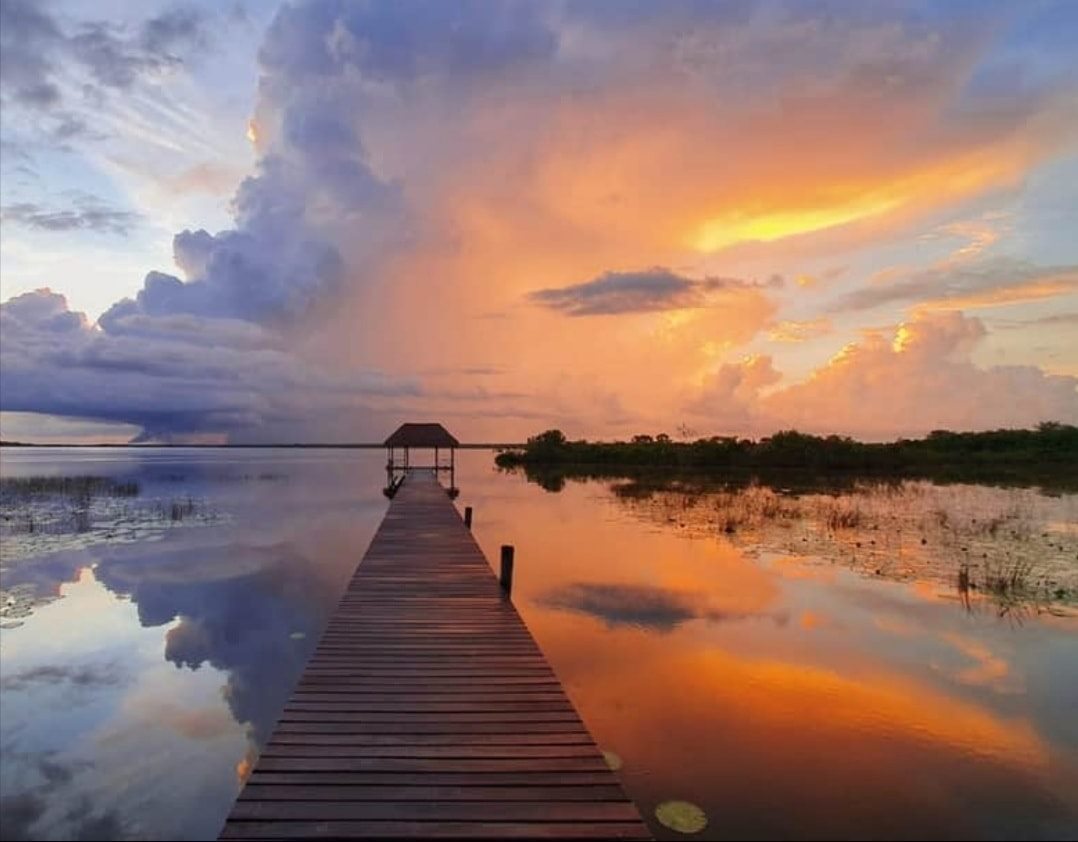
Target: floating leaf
x=681 y=816
x=297 y=635
x=612 y=760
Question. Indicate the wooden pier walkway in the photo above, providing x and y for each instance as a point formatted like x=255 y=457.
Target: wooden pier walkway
x=428 y=711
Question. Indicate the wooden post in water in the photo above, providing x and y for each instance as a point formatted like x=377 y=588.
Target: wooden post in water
x=468 y=516
x=506 y=577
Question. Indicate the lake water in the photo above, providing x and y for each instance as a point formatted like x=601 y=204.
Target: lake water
x=890 y=661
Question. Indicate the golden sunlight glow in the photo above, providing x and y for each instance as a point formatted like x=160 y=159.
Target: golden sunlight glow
x=844 y=354
x=713 y=350
x=739 y=227
x=673 y=319
x=902 y=339
x=849 y=203
x=252 y=131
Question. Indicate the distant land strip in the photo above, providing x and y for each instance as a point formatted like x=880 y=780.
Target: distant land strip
x=299 y=445
x=1050 y=447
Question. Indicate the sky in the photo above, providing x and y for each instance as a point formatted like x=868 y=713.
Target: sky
x=311 y=221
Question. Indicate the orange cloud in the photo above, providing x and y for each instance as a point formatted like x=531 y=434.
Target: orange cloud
x=620 y=178
x=921 y=378
x=793 y=331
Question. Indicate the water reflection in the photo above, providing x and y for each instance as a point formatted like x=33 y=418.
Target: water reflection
x=1012 y=546
x=148 y=675
x=787 y=691
x=780 y=684
x=653 y=608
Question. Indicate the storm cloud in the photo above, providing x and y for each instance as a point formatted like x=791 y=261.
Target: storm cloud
x=169 y=373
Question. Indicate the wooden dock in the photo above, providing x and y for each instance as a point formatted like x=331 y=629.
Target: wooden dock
x=428 y=711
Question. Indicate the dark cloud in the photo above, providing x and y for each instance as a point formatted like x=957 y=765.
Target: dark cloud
x=88 y=214
x=677 y=15
x=177 y=30
x=169 y=373
x=68 y=127
x=36 y=48
x=645 y=291
x=20 y=813
x=655 y=608
x=402 y=43
x=28 y=39
x=109 y=58
x=978 y=281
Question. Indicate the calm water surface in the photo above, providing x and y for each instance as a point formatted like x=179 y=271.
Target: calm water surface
x=799 y=666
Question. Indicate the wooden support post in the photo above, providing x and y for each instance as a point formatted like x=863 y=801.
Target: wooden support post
x=506 y=577
x=468 y=516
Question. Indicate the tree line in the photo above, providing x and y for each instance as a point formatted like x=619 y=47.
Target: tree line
x=1050 y=444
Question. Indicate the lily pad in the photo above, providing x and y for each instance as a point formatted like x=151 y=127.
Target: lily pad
x=297 y=635
x=682 y=816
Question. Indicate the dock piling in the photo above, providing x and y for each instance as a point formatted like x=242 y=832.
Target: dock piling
x=506 y=577
x=468 y=516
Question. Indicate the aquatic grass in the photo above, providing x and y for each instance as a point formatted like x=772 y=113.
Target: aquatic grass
x=73 y=487
x=1011 y=576
x=752 y=506
x=45 y=514
x=180 y=509
x=999 y=544
x=842 y=513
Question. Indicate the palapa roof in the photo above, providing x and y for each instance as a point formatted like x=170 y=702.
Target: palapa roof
x=422 y=435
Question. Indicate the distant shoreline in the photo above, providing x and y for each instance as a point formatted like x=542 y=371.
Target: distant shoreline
x=316 y=446
x=1050 y=447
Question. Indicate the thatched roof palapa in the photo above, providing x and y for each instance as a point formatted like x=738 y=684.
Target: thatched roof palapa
x=422 y=435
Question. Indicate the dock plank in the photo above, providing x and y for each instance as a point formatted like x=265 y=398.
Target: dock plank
x=427 y=710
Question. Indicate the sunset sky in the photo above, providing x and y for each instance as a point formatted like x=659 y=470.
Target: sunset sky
x=312 y=221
